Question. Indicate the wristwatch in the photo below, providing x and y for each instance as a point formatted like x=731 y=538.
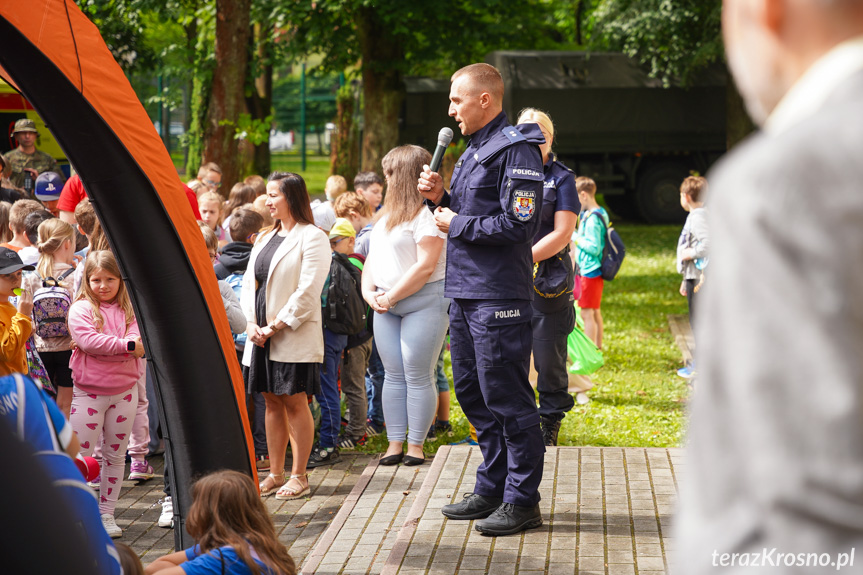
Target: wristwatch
x=272 y=326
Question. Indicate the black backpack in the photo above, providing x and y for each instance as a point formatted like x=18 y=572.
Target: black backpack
x=613 y=252
x=345 y=310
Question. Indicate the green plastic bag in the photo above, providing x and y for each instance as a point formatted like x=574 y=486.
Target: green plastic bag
x=584 y=356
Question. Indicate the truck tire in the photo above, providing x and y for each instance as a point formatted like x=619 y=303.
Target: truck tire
x=658 y=193
x=623 y=206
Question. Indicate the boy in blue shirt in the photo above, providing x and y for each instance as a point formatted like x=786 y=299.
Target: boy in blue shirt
x=590 y=241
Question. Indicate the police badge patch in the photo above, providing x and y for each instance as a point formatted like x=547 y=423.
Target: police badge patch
x=523 y=204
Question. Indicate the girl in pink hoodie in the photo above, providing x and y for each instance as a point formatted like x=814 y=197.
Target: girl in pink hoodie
x=106 y=366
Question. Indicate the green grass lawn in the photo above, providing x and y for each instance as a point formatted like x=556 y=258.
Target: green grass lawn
x=638 y=400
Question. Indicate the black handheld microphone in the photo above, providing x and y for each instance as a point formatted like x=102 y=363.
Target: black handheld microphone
x=444 y=137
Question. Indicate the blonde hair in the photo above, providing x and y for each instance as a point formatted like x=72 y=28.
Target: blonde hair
x=695 y=187
x=534 y=116
x=105 y=260
x=209 y=237
x=52 y=234
x=335 y=187
x=352 y=202
x=215 y=198
x=586 y=185
x=402 y=168
x=260 y=206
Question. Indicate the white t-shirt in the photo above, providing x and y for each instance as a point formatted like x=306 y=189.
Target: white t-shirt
x=395 y=251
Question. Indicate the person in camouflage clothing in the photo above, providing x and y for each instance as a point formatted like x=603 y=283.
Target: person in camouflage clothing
x=26 y=159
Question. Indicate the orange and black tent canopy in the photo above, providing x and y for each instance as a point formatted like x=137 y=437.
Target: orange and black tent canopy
x=57 y=59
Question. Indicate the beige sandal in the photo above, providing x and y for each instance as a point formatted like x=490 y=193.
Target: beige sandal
x=286 y=493
x=276 y=483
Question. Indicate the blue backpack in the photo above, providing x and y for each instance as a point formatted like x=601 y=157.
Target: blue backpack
x=235 y=280
x=613 y=251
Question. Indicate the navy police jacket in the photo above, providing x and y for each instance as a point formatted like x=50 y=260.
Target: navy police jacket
x=497 y=194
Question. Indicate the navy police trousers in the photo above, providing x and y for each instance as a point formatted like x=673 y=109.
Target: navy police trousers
x=490 y=346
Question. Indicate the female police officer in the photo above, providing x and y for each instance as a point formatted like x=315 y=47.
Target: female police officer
x=553 y=314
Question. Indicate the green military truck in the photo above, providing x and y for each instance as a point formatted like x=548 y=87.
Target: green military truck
x=613 y=122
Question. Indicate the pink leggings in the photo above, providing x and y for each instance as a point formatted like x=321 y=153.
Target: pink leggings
x=113 y=414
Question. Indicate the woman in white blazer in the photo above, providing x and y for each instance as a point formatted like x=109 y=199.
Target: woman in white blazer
x=281 y=300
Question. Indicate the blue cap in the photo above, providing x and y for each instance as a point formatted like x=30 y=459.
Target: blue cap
x=48 y=187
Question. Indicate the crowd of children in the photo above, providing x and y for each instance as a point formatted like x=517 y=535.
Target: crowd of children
x=67 y=320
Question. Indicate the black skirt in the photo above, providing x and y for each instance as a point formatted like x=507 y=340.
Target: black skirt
x=265 y=375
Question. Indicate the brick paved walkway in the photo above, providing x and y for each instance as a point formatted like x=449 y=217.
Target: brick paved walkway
x=606 y=511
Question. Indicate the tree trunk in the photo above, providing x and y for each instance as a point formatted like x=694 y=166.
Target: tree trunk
x=383 y=89
x=260 y=101
x=229 y=81
x=343 y=149
x=738 y=123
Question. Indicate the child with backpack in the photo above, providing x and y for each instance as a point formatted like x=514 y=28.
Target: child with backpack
x=106 y=366
x=590 y=241
x=343 y=315
x=359 y=347
x=51 y=286
x=358 y=210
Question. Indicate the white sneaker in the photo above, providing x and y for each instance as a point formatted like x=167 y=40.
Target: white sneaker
x=581 y=398
x=166 y=519
x=110 y=526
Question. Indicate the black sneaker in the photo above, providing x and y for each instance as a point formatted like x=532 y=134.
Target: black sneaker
x=350 y=442
x=473 y=506
x=323 y=456
x=510 y=518
x=550 y=428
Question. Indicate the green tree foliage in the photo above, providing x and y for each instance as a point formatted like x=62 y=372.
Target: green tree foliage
x=393 y=38
x=673 y=38
x=320 y=104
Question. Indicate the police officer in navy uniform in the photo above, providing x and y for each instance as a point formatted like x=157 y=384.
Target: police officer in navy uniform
x=554 y=279
x=491 y=217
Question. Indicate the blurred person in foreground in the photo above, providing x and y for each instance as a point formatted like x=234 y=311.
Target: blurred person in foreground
x=775 y=459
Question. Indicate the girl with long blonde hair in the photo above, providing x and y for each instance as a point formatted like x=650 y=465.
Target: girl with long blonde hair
x=106 y=366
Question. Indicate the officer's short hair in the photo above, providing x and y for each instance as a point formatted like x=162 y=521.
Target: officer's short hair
x=85 y=215
x=586 y=185
x=365 y=179
x=484 y=77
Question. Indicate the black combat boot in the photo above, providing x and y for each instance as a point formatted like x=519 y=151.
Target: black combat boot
x=550 y=428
